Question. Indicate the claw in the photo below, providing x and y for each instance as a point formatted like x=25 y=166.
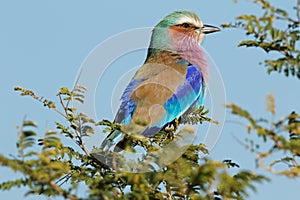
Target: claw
x=172 y=126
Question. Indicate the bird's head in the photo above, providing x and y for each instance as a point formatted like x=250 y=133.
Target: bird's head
x=179 y=29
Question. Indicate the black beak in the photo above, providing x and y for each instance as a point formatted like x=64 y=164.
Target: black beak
x=206 y=29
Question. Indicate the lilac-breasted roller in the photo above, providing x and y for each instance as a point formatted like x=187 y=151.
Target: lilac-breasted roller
x=171 y=82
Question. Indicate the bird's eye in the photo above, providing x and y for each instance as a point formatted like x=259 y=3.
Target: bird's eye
x=185 y=25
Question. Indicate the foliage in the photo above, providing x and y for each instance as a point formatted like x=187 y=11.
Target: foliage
x=277 y=31
x=274 y=31
x=197 y=116
x=52 y=168
x=282 y=136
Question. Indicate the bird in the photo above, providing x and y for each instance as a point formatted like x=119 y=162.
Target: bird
x=170 y=84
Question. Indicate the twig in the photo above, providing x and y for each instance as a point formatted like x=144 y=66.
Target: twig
x=77 y=129
x=288 y=19
x=63 y=179
x=62 y=192
x=168 y=189
x=35 y=177
x=63 y=105
x=80 y=143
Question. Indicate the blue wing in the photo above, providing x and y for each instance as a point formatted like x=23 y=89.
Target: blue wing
x=124 y=113
x=127 y=106
x=187 y=95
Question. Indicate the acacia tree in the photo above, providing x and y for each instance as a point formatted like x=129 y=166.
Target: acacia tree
x=265 y=33
x=53 y=167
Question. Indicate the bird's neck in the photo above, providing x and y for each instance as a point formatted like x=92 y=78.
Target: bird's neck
x=167 y=47
x=180 y=59
x=170 y=59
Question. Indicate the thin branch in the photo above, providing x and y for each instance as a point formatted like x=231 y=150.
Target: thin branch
x=63 y=179
x=26 y=170
x=78 y=135
x=63 y=105
x=287 y=19
x=168 y=189
x=77 y=129
x=62 y=192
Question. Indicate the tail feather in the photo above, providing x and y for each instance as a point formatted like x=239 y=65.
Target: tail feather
x=117 y=142
x=123 y=143
x=111 y=140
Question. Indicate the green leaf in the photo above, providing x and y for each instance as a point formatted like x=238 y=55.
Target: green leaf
x=28 y=133
x=64 y=91
x=87 y=130
x=29 y=123
x=281 y=12
x=270 y=104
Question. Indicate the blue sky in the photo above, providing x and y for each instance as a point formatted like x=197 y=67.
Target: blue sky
x=43 y=44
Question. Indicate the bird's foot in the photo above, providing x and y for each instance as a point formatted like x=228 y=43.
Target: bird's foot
x=172 y=126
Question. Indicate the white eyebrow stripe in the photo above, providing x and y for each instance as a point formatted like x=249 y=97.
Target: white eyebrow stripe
x=190 y=20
